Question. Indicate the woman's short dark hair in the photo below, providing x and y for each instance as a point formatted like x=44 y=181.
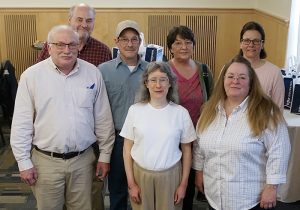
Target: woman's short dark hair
x=182 y=31
x=164 y=68
x=257 y=27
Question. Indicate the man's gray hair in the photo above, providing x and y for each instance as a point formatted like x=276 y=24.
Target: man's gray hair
x=71 y=11
x=59 y=28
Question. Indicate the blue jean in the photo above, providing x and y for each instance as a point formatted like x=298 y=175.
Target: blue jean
x=117 y=181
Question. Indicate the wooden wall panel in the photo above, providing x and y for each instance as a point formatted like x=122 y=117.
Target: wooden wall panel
x=158 y=28
x=21 y=31
x=106 y=22
x=47 y=19
x=205 y=30
x=228 y=44
x=276 y=31
x=219 y=28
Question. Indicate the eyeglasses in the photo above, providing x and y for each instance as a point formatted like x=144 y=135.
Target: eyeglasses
x=179 y=44
x=125 y=41
x=87 y=21
x=254 y=41
x=62 y=46
x=232 y=77
x=161 y=80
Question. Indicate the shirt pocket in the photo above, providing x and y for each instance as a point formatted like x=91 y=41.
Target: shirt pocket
x=85 y=97
x=113 y=88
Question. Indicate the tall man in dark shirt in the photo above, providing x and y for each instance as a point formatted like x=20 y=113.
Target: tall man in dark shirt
x=82 y=20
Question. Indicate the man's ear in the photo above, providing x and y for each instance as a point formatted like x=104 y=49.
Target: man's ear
x=49 y=48
x=116 y=40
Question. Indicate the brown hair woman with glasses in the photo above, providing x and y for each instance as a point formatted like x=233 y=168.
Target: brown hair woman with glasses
x=252 y=41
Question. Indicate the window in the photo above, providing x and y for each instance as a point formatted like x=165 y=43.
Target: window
x=293 y=48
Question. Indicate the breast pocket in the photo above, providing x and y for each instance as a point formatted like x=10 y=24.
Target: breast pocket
x=85 y=97
x=113 y=88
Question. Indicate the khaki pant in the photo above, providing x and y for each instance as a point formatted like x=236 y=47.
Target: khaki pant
x=62 y=182
x=157 y=188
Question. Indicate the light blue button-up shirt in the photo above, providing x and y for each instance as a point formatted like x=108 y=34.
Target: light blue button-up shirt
x=122 y=86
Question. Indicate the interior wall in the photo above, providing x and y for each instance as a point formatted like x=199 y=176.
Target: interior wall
x=229 y=23
x=277 y=8
x=276 y=31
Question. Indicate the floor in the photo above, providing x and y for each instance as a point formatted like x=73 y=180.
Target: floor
x=15 y=195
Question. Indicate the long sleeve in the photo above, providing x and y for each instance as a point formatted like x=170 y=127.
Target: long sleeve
x=278 y=152
x=22 y=126
x=278 y=90
x=271 y=81
x=104 y=127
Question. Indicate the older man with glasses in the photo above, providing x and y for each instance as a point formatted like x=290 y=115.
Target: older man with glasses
x=82 y=20
x=61 y=109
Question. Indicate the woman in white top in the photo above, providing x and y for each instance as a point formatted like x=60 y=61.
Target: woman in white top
x=252 y=39
x=243 y=147
x=157 y=170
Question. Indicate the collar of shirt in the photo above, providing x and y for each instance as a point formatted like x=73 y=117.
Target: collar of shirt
x=88 y=43
x=242 y=107
x=74 y=70
x=119 y=61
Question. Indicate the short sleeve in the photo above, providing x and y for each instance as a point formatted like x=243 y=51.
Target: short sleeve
x=189 y=133
x=127 y=129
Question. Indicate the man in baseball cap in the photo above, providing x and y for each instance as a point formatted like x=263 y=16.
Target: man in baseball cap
x=127 y=24
x=122 y=77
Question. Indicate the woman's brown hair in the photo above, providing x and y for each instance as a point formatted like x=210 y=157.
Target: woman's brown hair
x=262 y=112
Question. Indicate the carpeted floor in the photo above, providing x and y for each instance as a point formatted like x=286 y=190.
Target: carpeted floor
x=13 y=193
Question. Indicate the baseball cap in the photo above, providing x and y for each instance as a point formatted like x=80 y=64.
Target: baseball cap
x=127 y=24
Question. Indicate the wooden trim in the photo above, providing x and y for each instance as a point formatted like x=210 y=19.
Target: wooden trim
x=133 y=10
x=272 y=17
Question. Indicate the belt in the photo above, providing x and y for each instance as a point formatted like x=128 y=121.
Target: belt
x=64 y=156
